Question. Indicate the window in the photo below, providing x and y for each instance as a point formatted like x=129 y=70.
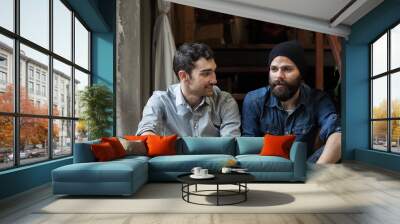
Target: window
x=37 y=74
x=3 y=72
x=7 y=14
x=34 y=25
x=38 y=89
x=62 y=30
x=3 y=61
x=81 y=45
x=3 y=80
x=30 y=72
x=63 y=75
x=6 y=71
x=30 y=88
x=385 y=95
x=54 y=125
x=43 y=77
x=44 y=91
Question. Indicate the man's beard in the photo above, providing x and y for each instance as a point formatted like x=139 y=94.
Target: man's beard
x=285 y=90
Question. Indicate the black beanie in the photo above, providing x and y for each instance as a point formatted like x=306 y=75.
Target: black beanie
x=292 y=50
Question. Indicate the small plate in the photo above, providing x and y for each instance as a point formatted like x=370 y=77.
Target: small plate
x=208 y=176
x=240 y=171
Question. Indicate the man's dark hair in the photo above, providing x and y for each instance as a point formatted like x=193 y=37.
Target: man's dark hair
x=188 y=53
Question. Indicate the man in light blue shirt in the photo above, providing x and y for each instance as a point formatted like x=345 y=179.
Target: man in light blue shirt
x=194 y=107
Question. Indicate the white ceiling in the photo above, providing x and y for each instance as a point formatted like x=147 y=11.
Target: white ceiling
x=315 y=15
x=321 y=9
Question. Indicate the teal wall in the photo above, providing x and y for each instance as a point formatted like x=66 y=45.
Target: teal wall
x=24 y=178
x=99 y=15
x=103 y=51
x=356 y=85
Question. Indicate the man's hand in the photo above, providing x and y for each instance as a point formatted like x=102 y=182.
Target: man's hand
x=332 y=150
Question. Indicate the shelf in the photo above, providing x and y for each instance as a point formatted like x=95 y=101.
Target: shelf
x=242 y=69
x=238 y=96
x=249 y=46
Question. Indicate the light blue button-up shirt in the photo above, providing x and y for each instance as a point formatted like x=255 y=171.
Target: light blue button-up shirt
x=167 y=113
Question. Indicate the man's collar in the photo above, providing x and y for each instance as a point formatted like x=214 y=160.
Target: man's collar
x=180 y=100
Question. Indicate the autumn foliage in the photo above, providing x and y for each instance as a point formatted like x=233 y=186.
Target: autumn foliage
x=33 y=131
x=380 y=127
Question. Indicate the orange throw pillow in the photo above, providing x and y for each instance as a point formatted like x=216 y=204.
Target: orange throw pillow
x=103 y=151
x=161 y=145
x=136 y=137
x=275 y=145
x=116 y=145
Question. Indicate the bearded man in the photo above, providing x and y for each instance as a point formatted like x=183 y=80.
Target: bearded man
x=289 y=107
x=195 y=106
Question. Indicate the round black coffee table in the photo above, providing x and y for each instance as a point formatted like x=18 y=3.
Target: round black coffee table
x=238 y=179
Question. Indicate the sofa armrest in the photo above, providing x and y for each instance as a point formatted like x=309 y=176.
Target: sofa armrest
x=298 y=154
x=83 y=152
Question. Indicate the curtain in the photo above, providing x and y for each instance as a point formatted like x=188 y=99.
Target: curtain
x=163 y=49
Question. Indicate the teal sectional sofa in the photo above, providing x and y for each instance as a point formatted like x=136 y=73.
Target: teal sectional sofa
x=125 y=176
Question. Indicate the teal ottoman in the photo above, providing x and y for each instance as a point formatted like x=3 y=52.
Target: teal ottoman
x=118 y=177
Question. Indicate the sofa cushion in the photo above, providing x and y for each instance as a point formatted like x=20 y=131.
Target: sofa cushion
x=277 y=145
x=249 y=145
x=161 y=145
x=111 y=171
x=206 y=145
x=185 y=163
x=103 y=151
x=134 y=147
x=129 y=159
x=116 y=145
x=257 y=163
x=136 y=137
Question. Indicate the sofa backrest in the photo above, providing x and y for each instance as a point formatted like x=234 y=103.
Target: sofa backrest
x=206 y=145
x=249 y=145
x=83 y=152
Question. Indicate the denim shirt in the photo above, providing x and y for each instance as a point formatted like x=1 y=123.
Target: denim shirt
x=263 y=114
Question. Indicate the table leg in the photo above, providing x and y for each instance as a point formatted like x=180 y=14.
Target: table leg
x=188 y=192
x=217 y=194
x=245 y=191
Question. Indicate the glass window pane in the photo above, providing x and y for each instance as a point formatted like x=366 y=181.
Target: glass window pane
x=62 y=89
x=7 y=14
x=33 y=140
x=81 y=81
x=62 y=138
x=34 y=97
x=6 y=142
x=379 y=55
x=35 y=21
x=395 y=47
x=6 y=74
x=379 y=135
x=62 y=29
x=395 y=136
x=81 y=45
x=379 y=97
x=395 y=95
x=81 y=131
